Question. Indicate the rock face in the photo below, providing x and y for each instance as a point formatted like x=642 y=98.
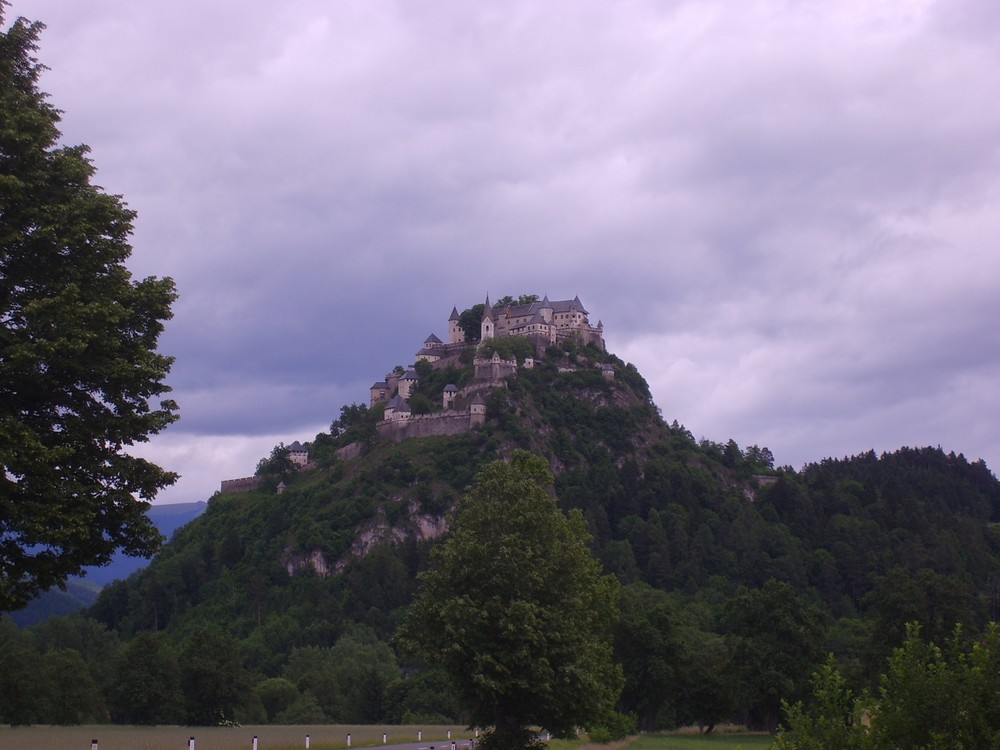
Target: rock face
x=421 y=526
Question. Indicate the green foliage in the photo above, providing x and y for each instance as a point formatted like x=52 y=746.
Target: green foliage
x=776 y=638
x=512 y=347
x=276 y=695
x=470 y=321
x=146 y=686
x=836 y=718
x=612 y=726
x=212 y=678
x=871 y=541
x=514 y=609
x=279 y=464
x=80 y=377
x=929 y=698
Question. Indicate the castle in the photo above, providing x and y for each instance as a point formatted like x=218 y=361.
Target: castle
x=543 y=323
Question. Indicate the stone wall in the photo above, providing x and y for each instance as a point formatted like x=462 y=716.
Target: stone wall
x=424 y=425
x=244 y=484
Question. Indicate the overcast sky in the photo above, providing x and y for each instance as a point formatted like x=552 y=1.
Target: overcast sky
x=785 y=213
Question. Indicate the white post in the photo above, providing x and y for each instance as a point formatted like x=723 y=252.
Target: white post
x=348 y=739
x=93 y=745
x=255 y=742
x=307 y=742
x=449 y=734
x=383 y=738
x=191 y=744
x=420 y=735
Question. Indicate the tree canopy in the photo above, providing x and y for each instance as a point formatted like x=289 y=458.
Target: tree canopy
x=515 y=609
x=80 y=376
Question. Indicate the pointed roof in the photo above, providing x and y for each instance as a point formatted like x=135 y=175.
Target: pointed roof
x=488 y=308
x=478 y=399
x=398 y=403
x=410 y=374
x=432 y=339
x=454 y=314
x=296 y=447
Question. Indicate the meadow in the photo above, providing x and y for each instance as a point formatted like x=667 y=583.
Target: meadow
x=321 y=737
x=270 y=737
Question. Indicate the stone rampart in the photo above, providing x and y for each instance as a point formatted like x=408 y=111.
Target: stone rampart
x=424 y=425
x=244 y=484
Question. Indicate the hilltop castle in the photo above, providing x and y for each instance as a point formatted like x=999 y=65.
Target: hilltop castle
x=544 y=323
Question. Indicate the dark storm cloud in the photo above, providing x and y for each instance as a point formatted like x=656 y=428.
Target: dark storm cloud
x=784 y=213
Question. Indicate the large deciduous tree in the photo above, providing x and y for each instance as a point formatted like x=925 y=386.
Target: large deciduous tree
x=78 y=361
x=515 y=609
x=776 y=638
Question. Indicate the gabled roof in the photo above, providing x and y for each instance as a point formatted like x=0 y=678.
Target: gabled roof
x=432 y=339
x=380 y=385
x=297 y=447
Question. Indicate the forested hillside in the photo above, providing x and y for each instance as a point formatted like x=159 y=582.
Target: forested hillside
x=738 y=577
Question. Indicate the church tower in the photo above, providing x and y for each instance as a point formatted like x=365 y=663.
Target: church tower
x=488 y=328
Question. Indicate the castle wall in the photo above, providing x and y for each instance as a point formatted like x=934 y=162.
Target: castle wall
x=424 y=425
x=244 y=484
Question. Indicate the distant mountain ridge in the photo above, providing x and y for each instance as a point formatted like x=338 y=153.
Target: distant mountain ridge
x=81 y=592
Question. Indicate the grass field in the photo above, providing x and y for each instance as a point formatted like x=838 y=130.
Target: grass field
x=321 y=737
x=689 y=741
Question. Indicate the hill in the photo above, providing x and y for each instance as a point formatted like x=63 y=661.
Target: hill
x=82 y=591
x=306 y=577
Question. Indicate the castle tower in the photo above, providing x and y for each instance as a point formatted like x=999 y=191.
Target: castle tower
x=477 y=411
x=488 y=328
x=407 y=382
x=545 y=309
x=448 y=397
x=455 y=333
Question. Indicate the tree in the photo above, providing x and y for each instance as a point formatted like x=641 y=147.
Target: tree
x=470 y=321
x=835 y=717
x=515 y=609
x=213 y=680
x=146 y=685
x=648 y=644
x=776 y=642
x=278 y=464
x=78 y=361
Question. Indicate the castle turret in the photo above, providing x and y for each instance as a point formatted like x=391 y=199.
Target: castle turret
x=455 y=333
x=448 y=397
x=406 y=383
x=477 y=411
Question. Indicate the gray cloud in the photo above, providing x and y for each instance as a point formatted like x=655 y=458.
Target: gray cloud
x=783 y=212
